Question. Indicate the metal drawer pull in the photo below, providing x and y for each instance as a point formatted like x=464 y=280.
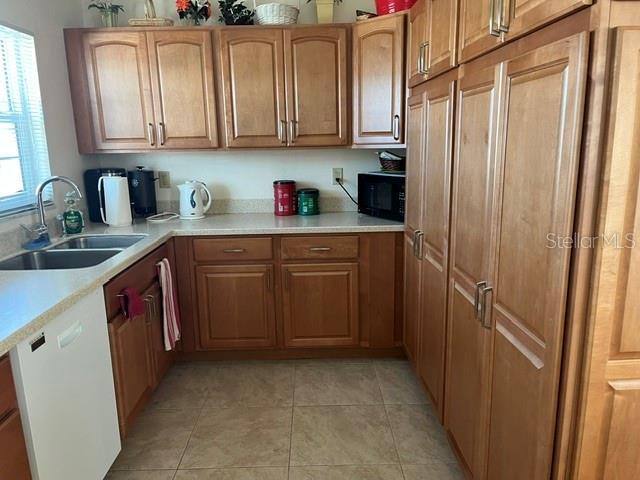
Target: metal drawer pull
x=234 y=250
x=319 y=249
x=483 y=313
x=476 y=301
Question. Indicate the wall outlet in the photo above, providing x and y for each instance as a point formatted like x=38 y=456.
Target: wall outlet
x=164 y=180
x=336 y=173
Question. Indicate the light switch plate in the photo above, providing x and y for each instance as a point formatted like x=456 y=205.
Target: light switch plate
x=164 y=179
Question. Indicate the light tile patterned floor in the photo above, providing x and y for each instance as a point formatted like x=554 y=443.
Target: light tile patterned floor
x=289 y=420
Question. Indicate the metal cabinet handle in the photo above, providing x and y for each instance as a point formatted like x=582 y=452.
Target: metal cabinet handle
x=152 y=135
x=234 y=250
x=483 y=312
x=426 y=58
x=504 y=21
x=417 y=244
x=161 y=133
x=396 y=127
x=268 y=280
x=282 y=131
x=476 y=300
x=319 y=249
x=421 y=58
x=494 y=27
x=150 y=301
x=293 y=130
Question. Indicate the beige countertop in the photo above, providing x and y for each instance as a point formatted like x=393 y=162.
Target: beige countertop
x=29 y=299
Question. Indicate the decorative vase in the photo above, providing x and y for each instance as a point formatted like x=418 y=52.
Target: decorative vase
x=324 y=10
x=109 y=18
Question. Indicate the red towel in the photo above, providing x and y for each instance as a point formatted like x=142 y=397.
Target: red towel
x=131 y=302
x=170 y=314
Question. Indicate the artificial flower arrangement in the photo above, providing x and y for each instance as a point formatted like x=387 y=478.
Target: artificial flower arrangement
x=195 y=10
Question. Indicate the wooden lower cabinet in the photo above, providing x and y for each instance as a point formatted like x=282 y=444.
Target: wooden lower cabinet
x=132 y=366
x=236 y=306
x=320 y=304
x=14 y=462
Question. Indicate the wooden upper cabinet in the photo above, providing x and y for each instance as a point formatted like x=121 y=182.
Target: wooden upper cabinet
x=317 y=82
x=538 y=162
x=320 y=305
x=434 y=250
x=119 y=90
x=183 y=84
x=253 y=86
x=468 y=342
x=478 y=28
x=378 y=80
x=236 y=306
x=443 y=23
x=418 y=41
x=416 y=106
x=518 y=17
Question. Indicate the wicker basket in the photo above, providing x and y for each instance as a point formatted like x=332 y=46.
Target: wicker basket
x=276 y=14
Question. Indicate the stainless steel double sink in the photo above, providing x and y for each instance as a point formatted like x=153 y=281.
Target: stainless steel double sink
x=77 y=252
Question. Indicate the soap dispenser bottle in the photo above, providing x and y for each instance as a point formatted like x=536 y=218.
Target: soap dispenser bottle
x=72 y=219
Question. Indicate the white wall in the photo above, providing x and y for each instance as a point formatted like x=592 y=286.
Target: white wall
x=250 y=174
x=344 y=12
x=46 y=19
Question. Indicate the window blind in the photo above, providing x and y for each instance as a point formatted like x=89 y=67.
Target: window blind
x=24 y=159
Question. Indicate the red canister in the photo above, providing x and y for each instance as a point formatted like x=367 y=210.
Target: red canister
x=284 y=194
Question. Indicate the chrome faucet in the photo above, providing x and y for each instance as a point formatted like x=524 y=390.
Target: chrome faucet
x=41 y=228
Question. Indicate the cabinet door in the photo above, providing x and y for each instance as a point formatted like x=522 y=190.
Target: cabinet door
x=468 y=343
x=14 y=463
x=132 y=366
x=162 y=359
x=183 y=88
x=415 y=163
x=253 y=84
x=316 y=66
x=477 y=20
x=443 y=22
x=378 y=81
x=418 y=41
x=412 y=279
x=435 y=239
x=236 y=306
x=521 y=16
x=539 y=157
x=117 y=68
x=320 y=304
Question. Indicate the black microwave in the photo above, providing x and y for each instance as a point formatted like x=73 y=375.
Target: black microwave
x=381 y=194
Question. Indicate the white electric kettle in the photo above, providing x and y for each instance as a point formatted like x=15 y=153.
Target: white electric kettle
x=192 y=206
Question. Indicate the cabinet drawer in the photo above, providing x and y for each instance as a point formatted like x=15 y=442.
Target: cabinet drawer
x=7 y=390
x=300 y=248
x=225 y=249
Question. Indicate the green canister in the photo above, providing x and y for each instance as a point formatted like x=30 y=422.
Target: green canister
x=308 y=201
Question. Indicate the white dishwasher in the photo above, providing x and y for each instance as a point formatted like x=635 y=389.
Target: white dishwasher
x=66 y=396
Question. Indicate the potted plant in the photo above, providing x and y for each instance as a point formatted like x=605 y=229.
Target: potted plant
x=324 y=10
x=108 y=12
x=234 y=12
x=194 y=11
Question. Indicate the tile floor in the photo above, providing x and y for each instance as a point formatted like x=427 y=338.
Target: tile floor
x=297 y=420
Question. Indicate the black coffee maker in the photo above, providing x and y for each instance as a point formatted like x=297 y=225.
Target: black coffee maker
x=142 y=190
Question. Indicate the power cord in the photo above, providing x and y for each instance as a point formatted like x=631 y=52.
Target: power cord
x=339 y=180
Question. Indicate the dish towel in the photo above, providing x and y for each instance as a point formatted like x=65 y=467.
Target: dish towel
x=170 y=314
x=131 y=303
